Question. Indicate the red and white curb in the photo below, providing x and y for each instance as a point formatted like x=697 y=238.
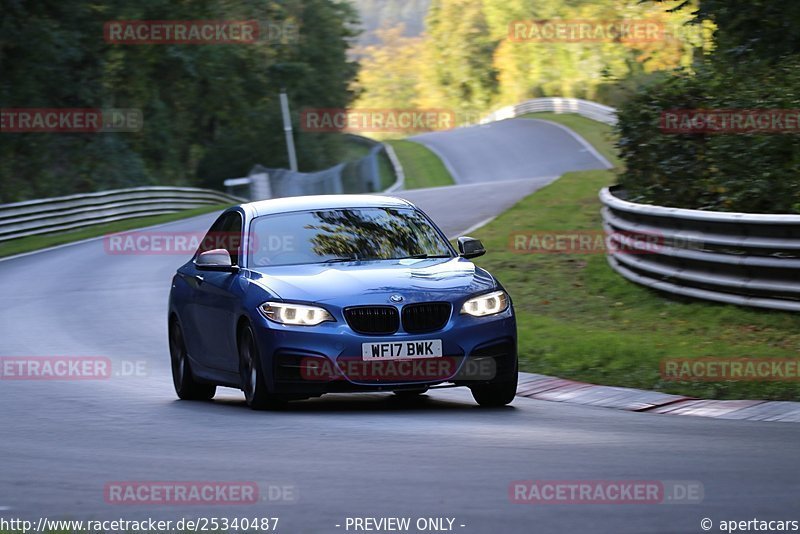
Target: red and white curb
x=541 y=387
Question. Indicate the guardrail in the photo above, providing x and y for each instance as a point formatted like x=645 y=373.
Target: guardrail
x=747 y=259
x=399 y=173
x=36 y=217
x=586 y=108
x=736 y=258
x=358 y=176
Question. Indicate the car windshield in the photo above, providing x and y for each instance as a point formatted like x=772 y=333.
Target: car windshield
x=340 y=235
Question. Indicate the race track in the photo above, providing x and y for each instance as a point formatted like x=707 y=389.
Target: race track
x=513 y=149
x=359 y=455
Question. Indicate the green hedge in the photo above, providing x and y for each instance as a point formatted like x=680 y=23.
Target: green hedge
x=725 y=172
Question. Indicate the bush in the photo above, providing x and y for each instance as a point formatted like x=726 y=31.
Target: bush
x=725 y=172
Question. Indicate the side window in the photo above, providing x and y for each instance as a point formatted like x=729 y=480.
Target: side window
x=233 y=236
x=209 y=242
x=226 y=232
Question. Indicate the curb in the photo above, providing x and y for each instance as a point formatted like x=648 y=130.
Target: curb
x=548 y=388
x=399 y=173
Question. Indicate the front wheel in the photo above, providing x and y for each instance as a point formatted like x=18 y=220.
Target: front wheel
x=253 y=383
x=185 y=384
x=496 y=394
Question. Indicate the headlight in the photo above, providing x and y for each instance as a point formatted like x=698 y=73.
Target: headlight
x=488 y=304
x=295 y=314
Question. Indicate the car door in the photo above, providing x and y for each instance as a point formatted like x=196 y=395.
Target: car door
x=216 y=299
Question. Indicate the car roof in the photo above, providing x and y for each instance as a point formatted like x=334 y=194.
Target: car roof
x=322 y=202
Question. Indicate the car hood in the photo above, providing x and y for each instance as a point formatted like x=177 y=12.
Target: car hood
x=375 y=281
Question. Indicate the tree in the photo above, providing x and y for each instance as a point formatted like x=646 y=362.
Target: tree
x=210 y=111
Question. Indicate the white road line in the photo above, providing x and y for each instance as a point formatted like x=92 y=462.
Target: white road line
x=475 y=227
x=446 y=162
x=592 y=150
x=5 y=508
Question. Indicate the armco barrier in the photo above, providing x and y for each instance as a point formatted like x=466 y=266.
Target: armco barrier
x=738 y=258
x=590 y=110
x=35 y=217
x=354 y=177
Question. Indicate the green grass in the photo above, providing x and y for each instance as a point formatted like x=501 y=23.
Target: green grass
x=37 y=242
x=353 y=150
x=599 y=135
x=386 y=171
x=578 y=319
x=422 y=167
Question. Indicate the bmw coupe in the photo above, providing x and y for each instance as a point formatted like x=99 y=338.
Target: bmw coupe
x=292 y=298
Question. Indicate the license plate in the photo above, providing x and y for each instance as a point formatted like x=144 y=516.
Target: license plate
x=402 y=350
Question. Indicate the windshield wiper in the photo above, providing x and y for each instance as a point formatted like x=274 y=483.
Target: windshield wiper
x=341 y=260
x=426 y=256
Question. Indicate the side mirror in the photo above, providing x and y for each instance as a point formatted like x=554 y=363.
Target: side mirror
x=470 y=247
x=215 y=260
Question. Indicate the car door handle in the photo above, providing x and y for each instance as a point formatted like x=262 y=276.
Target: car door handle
x=199 y=278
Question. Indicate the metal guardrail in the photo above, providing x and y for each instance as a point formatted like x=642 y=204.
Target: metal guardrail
x=586 y=108
x=747 y=259
x=399 y=173
x=359 y=176
x=736 y=258
x=36 y=217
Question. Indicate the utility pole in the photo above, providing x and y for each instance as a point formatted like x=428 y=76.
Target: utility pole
x=287 y=128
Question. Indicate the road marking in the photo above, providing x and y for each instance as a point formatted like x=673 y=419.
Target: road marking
x=446 y=162
x=475 y=227
x=5 y=508
x=589 y=147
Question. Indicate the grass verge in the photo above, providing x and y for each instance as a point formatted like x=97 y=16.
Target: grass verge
x=37 y=242
x=353 y=149
x=578 y=319
x=422 y=167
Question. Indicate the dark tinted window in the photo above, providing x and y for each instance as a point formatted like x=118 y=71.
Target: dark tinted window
x=353 y=233
x=226 y=233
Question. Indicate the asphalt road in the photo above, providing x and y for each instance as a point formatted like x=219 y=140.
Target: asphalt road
x=460 y=208
x=339 y=456
x=513 y=149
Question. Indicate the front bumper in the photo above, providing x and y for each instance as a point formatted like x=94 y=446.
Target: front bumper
x=475 y=350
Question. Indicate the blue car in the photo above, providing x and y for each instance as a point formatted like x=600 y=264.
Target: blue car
x=292 y=298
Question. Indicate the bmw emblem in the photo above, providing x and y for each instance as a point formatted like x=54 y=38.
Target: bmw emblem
x=396 y=298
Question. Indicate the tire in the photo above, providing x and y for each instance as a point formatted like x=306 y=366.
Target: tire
x=254 y=384
x=186 y=387
x=496 y=394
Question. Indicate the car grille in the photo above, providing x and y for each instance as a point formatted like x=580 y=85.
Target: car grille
x=426 y=317
x=373 y=319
